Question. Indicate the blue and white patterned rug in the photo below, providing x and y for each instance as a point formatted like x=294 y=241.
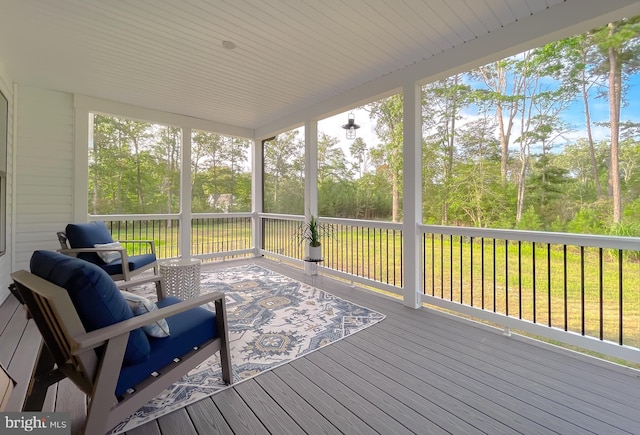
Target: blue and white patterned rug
x=272 y=320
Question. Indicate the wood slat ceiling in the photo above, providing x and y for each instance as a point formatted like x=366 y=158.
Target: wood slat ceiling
x=289 y=55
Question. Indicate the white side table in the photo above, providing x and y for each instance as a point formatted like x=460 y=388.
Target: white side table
x=181 y=277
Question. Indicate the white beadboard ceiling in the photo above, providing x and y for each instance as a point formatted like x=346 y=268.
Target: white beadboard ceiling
x=290 y=55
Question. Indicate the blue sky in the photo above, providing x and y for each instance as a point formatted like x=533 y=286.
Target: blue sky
x=574 y=116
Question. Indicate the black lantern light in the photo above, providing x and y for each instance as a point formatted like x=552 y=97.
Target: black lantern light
x=351 y=127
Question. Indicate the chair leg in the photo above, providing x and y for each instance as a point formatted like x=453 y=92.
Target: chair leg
x=103 y=398
x=44 y=375
x=225 y=354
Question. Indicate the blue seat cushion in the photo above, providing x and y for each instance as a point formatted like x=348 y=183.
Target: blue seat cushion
x=189 y=329
x=135 y=262
x=87 y=235
x=94 y=295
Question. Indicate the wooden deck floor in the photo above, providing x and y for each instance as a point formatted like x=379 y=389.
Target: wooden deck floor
x=418 y=371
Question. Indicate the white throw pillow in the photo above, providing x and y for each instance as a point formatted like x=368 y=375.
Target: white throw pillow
x=141 y=305
x=109 y=256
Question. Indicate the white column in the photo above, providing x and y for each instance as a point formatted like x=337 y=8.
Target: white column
x=310 y=177
x=185 y=194
x=257 y=190
x=412 y=199
x=82 y=129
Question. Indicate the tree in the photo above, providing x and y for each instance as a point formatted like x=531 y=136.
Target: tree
x=284 y=174
x=332 y=163
x=573 y=65
x=619 y=50
x=504 y=91
x=442 y=103
x=361 y=157
x=388 y=155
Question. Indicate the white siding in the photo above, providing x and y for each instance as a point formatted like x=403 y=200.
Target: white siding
x=44 y=171
x=6 y=260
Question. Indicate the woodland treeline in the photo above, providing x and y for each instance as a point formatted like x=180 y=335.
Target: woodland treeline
x=517 y=143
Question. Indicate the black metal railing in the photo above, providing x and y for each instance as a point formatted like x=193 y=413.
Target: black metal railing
x=588 y=285
x=279 y=236
x=367 y=249
x=164 y=232
x=220 y=234
x=581 y=285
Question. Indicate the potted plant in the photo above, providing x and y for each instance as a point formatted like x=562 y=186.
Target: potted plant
x=312 y=232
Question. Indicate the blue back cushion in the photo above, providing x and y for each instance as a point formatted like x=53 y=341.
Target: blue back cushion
x=86 y=236
x=94 y=294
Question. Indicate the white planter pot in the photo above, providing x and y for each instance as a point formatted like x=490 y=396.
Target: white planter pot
x=315 y=252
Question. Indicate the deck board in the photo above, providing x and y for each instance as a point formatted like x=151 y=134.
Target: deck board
x=397 y=401
x=21 y=366
x=12 y=334
x=440 y=407
x=150 y=428
x=8 y=307
x=177 y=423
x=240 y=417
x=307 y=417
x=447 y=398
x=207 y=418
x=265 y=408
x=339 y=415
x=417 y=371
x=573 y=392
x=361 y=406
x=70 y=399
x=517 y=401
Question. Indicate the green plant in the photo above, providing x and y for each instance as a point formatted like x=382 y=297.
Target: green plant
x=313 y=231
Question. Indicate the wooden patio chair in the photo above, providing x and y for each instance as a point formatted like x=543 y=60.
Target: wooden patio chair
x=96 y=341
x=93 y=242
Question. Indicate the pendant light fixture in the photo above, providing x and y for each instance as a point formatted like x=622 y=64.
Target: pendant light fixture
x=351 y=126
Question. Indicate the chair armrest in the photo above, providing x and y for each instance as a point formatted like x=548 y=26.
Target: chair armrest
x=98 y=337
x=136 y=282
x=158 y=279
x=151 y=243
x=137 y=241
x=78 y=250
x=73 y=252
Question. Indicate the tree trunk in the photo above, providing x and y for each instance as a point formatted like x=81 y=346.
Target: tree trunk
x=450 y=140
x=504 y=144
x=138 y=176
x=395 y=208
x=615 y=95
x=592 y=153
x=524 y=161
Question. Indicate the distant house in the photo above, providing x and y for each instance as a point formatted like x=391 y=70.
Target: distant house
x=223 y=201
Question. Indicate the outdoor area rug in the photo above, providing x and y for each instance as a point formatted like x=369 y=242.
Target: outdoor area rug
x=272 y=320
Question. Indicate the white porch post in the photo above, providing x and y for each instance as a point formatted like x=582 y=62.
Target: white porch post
x=257 y=190
x=83 y=126
x=412 y=199
x=185 y=195
x=310 y=177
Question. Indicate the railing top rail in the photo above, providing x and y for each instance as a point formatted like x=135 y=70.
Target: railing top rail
x=587 y=240
x=154 y=217
x=338 y=221
x=133 y=217
x=291 y=217
x=221 y=215
x=363 y=223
